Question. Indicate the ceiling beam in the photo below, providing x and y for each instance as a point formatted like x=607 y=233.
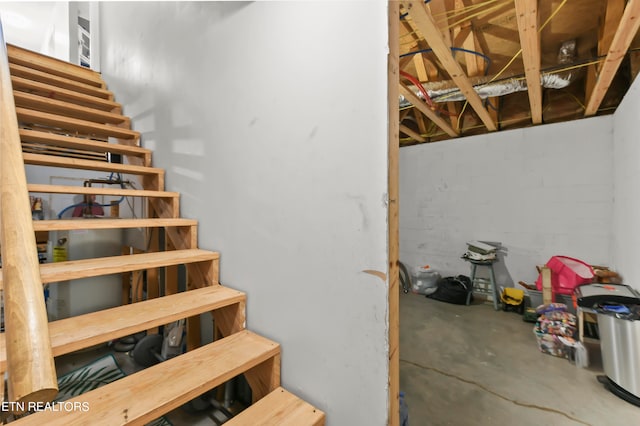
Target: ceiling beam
x=424 y=108
x=424 y=22
x=439 y=8
x=623 y=37
x=412 y=134
x=606 y=32
x=420 y=119
x=527 y=16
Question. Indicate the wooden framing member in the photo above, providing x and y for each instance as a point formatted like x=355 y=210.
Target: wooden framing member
x=606 y=32
x=465 y=35
x=412 y=134
x=440 y=8
x=623 y=37
x=393 y=274
x=527 y=15
x=427 y=25
x=424 y=108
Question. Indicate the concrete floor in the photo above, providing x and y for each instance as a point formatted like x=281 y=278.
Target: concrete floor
x=469 y=365
x=472 y=365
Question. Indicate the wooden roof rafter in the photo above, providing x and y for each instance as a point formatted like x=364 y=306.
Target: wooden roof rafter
x=527 y=16
x=440 y=8
x=412 y=134
x=426 y=70
x=424 y=22
x=606 y=31
x=622 y=39
x=477 y=64
x=424 y=108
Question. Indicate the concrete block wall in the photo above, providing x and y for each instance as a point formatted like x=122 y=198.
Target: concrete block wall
x=541 y=191
x=626 y=237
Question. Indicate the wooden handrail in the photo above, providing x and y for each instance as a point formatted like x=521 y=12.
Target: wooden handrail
x=32 y=374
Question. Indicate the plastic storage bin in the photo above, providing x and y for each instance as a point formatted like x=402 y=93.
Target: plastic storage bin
x=535 y=300
x=567 y=273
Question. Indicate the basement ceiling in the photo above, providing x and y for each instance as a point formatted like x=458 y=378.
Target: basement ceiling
x=470 y=67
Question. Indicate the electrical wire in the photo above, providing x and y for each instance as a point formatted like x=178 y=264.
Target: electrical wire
x=565 y=91
x=555 y=12
x=428 y=100
x=487 y=59
x=482 y=12
x=462 y=10
x=459 y=12
x=420 y=87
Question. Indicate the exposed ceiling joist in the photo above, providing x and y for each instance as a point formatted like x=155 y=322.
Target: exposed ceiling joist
x=424 y=108
x=425 y=23
x=612 y=16
x=527 y=15
x=439 y=8
x=447 y=44
x=622 y=39
x=606 y=31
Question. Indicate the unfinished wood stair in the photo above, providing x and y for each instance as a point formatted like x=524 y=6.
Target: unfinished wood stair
x=69 y=119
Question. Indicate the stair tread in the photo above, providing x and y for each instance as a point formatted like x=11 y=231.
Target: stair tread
x=98 y=102
x=74 y=124
x=78 y=223
x=54 y=106
x=85 y=268
x=46 y=138
x=75 y=333
x=279 y=408
x=152 y=392
x=116 y=191
x=75 y=163
x=54 y=82
x=38 y=61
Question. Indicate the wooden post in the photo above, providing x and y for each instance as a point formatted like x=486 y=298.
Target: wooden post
x=393 y=276
x=32 y=374
x=547 y=291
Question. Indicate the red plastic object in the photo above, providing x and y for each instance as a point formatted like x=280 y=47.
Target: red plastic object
x=567 y=273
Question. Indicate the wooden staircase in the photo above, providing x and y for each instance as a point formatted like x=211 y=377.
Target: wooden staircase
x=69 y=119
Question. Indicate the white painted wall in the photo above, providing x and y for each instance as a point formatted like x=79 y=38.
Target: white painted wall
x=541 y=191
x=39 y=26
x=626 y=153
x=270 y=119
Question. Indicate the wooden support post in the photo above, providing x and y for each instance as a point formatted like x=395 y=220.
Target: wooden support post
x=547 y=290
x=393 y=275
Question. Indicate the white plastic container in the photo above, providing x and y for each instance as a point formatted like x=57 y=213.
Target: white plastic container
x=424 y=280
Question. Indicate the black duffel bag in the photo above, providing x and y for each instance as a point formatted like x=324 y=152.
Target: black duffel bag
x=453 y=290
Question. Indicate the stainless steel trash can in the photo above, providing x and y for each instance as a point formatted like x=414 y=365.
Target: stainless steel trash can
x=620 y=346
x=618 y=312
